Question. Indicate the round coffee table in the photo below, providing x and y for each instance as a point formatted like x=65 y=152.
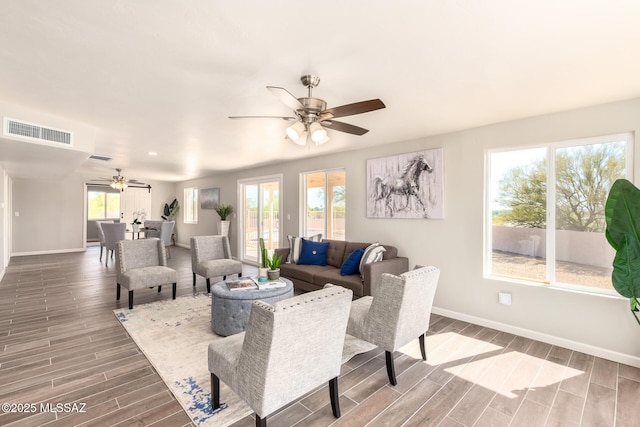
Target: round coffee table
x=230 y=309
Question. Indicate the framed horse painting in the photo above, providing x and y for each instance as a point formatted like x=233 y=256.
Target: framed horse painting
x=406 y=185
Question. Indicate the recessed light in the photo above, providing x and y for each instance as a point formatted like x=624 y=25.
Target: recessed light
x=152 y=153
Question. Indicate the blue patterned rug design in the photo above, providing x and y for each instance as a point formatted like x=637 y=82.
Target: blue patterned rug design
x=174 y=336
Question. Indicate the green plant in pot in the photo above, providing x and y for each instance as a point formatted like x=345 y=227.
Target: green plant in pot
x=170 y=210
x=622 y=212
x=224 y=211
x=271 y=264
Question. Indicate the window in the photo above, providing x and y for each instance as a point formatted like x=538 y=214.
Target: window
x=554 y=234
x=103 y=205
x=190 y=205
x=324 y=204
x=260 y=206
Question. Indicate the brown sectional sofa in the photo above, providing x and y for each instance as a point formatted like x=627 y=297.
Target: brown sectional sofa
x=314 y=277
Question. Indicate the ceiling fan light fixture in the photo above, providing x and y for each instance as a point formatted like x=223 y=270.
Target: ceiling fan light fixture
x=318 y=133
x=295 y=131
x=118 y=185
x=322 y=141
x=303 y=138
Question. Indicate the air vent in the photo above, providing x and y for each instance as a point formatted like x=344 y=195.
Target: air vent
x=103 y=158
x=33 y=131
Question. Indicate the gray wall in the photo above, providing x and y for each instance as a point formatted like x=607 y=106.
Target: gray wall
x=52 y=213
x=592 y=323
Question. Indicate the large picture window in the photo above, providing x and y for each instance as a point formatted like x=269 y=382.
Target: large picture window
x=324 y=195
x=545 y=213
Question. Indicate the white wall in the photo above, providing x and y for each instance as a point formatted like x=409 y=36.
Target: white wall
x=596 y=324
x=4 y=259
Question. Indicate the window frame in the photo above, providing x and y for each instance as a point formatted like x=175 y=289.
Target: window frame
x=190 y=193
x=104 y=195
x=551 y=148
x=304 y=198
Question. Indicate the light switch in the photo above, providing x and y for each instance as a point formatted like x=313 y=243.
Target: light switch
x=17 y=213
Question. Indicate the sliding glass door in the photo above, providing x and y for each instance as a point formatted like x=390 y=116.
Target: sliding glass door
x=260 y=206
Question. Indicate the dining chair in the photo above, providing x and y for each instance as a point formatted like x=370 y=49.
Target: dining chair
x=152 y=228
x=288 y=349
x=397 y=313
x=113 y=233
x=166 y=230
x=101 y=234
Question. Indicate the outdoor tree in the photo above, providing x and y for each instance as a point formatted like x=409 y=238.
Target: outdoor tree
x=524 y=190
x=584 y=176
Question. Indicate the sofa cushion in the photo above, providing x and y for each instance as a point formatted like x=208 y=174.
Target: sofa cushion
x=295 y=245
x=373 y=253
x=313 y=253
x=332 y=275
x=352 y=246
x=352 y=263
x=335 y=253
x=302 y=272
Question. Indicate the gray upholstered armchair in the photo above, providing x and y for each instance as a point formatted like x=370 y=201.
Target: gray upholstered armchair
x=398 y=312
x=113 y=233
x=211 y=257
x=142 y=264
x=288 y=349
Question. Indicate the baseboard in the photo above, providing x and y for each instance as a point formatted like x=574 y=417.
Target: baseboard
x=182 y=245
x=603 y=353
x=2 y=274
x=57 y=251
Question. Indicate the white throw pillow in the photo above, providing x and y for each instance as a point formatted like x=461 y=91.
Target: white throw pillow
x=295 y=246
x=373 y=253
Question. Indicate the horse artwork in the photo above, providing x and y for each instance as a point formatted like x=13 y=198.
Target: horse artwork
x=405 y=186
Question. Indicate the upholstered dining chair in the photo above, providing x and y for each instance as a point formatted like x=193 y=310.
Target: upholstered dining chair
x=152 y=228
x=101 y=235
x=113 y=233
x=288 y=349
x=140 y=264
x=397 y=313
x=211 y=257
x=166 y=230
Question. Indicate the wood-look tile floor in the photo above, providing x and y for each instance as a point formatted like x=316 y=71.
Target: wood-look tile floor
x=60 y=343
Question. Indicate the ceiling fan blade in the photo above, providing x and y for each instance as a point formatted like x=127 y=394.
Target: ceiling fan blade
x=355 y=108
x=264 y=117
x=286 y=98
x=344 y=127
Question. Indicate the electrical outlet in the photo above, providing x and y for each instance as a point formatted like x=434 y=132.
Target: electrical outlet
x=504 y=298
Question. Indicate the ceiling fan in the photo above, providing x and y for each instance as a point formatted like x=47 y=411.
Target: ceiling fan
x=312 y=117
x=119 y=182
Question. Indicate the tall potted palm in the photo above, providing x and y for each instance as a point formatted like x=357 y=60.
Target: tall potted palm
x=622 y=213
x=224 y=211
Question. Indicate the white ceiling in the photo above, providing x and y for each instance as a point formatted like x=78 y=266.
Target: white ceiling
x=164 y=75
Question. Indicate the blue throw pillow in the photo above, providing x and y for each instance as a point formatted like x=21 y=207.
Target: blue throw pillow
x=313 y=253
x=352 y=263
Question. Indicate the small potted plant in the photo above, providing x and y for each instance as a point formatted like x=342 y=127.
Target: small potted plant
x=273 y=264
x=224 y=211
x=138 y=217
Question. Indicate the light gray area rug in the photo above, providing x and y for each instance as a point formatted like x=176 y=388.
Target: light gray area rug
x=174 y=335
